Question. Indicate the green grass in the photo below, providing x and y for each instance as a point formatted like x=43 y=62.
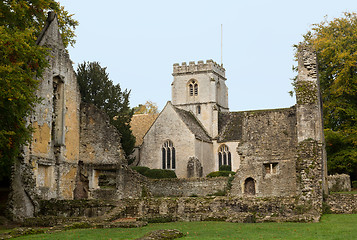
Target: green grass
x=351 y=192
x=330 y=227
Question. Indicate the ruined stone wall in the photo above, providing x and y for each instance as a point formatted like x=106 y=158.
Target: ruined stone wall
x=48 y=164
x=342 y=203
x=49 y=167
x=267 y=152
x=250 y=209
x=186 y=187
x=131 y=184
x=99 y=140
x=339 y=183
x=311 y=167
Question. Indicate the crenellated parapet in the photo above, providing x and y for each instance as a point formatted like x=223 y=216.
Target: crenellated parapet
x=200 y=67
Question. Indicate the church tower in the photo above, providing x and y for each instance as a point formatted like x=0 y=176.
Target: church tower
x=201 y=89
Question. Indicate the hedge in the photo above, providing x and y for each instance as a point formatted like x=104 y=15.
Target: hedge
x=225 y=168
x=221 y=174
x=155 y=173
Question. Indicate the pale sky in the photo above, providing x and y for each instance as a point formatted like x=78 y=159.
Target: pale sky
x=139 y=41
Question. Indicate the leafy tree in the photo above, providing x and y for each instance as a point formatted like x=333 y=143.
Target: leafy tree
x=21 y=62
x=335 y=42
x=148 y=108
x=96 y=87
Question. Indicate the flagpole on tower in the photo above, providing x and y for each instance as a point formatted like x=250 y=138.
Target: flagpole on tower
x=221 y=44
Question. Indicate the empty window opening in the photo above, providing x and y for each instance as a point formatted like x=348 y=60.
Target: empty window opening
x=198 y=109
x=58 y=112
x=168 y=155
x=270 y=168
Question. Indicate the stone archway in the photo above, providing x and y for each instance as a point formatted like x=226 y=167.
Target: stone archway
x=249 y=186
x=194 y=168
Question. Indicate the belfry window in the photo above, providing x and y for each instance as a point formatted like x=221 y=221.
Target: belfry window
x=193 y=88
x=224 y=156
x=168 y=155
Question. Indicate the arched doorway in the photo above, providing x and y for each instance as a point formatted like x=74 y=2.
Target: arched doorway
x=249 y=186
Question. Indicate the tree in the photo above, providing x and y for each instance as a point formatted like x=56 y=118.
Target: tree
x=96 y=87
x=148 y=108
x=21 y=63
x=335 y=43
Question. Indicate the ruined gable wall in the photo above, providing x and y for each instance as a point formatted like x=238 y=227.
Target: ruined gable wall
x=99 y=140
x=48 y=167
x=54 y=151
x=267 y=150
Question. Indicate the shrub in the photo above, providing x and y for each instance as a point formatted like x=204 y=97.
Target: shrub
x=225 y=168
x=140 y=169
x=354 y=184
x=160 y=173
x=221 y=174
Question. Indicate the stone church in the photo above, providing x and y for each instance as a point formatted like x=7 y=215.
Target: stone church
x=76 y=154
x=196 y=133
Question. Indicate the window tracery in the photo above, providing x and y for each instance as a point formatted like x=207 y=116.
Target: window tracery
x=168 y=155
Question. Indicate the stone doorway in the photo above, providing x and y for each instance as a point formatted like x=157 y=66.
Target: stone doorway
x=249 y=186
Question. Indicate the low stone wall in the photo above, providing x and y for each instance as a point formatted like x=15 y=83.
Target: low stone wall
x=248 y=209
x=75 y=208
x=339 y=183
x=342 y=202
x=186 y=187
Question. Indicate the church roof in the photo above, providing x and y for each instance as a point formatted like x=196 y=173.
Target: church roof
x=140 y=124
x=230 y=126
x=192 y=123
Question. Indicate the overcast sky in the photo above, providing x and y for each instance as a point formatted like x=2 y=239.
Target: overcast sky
x=139 y=41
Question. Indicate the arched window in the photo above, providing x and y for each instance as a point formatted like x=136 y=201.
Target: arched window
x=224 y=156
x=193 y=88
x=168 y=155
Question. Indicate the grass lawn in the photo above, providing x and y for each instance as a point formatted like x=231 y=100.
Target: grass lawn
x=330 y=227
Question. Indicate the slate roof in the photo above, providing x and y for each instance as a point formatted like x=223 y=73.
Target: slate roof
x=140 y=124
x=230 y=126
x=192 y=123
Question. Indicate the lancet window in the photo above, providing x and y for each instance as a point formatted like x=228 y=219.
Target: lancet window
x=168 y=155
x=193 y=88
x=224 y=156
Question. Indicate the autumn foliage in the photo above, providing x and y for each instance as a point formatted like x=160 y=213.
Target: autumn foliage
x=335 y=42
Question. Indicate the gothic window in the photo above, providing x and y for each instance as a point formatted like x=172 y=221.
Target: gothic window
x=168 y=155
x=224 y=156
x=193 y=88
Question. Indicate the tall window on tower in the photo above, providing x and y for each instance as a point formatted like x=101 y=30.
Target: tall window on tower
x=168 y=155
x=224 y=156
x=193 y=88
